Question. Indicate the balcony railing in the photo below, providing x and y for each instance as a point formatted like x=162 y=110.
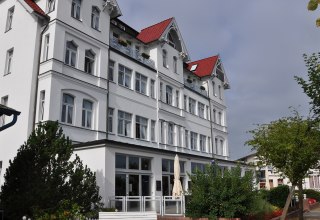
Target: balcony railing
x=195 y=87
x=135 y=54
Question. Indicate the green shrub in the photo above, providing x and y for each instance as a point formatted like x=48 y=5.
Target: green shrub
x=278 y=195
x=264 y=194
x=216 y=194
x=312 y=194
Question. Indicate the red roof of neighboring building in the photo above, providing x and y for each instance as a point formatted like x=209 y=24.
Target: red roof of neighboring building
x=35 y=7
x=204 y=66
x=153 y=32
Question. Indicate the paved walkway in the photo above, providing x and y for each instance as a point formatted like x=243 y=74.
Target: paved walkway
x=313 y=214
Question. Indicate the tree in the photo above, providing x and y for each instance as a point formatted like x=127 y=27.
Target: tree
x=311 y=87
x=312 y=6
x=291 y=145
x=216 y=193
x=43 y=174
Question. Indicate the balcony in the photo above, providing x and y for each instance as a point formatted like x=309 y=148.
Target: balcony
x=135 y=54
x=193 y=86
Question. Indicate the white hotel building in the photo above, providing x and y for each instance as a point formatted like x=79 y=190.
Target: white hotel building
x=129 y=100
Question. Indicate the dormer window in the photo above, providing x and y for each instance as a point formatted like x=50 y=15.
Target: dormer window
x=174 y=40
x=95 y=16
x=170 y=41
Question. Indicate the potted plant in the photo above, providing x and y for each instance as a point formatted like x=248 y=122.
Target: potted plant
x=202 y=88
x=146 y=56
x=122 y=42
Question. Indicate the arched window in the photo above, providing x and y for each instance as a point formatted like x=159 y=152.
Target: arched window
x=71 y=53
x=173 y=40
x=87 y=108
x=76 y=8
x=89 y=62
x=165 y=58
x=95 y=16
x=175 y=62
x=67 y=108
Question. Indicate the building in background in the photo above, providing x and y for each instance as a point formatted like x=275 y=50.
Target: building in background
x=129 y=100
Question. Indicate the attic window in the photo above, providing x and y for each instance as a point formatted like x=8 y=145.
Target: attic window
x=194 y=67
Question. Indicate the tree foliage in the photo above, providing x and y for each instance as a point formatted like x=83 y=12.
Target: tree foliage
x=44 y=173
x=312 y=6
x=221 y=194
x=311 y=87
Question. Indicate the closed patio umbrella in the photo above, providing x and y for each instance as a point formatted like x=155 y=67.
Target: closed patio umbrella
x=177 y=187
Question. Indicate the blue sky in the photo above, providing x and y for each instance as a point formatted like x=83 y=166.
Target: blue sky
x=261 y=45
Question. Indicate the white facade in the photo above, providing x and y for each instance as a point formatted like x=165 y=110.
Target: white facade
x=127 y=115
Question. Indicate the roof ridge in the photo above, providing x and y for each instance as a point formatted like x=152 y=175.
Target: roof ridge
x=156 y=24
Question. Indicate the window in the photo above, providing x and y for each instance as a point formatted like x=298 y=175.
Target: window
x=137 y=48
x=193 y=140
x=203 y=143
x=9 y=18
x=192 y=106
x=46 y=47
x=4 y=101
x=110 y=120
x=186 y=138
x=216 y=144
x=177 y=98
x=111 y=70
x=169 y=95
x=141 y=127
x=124 y=76
x=161 y=131
x=41 y=104
x=75 y=9
x=153 y=130
x=170 y=133
x=164 y=58
x=141 y=83
x=197 y=166
x=175 y=69
x=67 y=108
x=50 y=5
x=213 y=89
x=209 y=144
x=220 y=118
x=214 y=116
x=185 y=102
x=87 y=107
x=161 y=91
x=178 y=135
x=95 y=16
x=152 y=89
x=207 y=112
x=71 y=53
x=219 y=91
x=221 y=147
x=9 y=62
x=124 y=123
x=89 y=62
x=201 y=110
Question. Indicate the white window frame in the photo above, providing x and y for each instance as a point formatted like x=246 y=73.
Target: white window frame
x=111 y=70
x=165 y=58
x=9 y=19
x=50 y=5
x=141 y=128
x=95 y=17
x=221 y=147
x=185 y=102
x=186 y=138
x=46 y=47
x=110 y=119
x=124 y=123
x=141 y=83
x=87 y=114
x=203 y=143
x=161 y=91
x=152 y=89
x=177 y=98
x=4 y=101
x=124 y=76
x=175 y=64
x=9 y=59
x=220 y=118
x=71 y=53
x=69 y=108
x=169 y=94
x=192 y=106
x=153 y=130
x=76 y=9
x=201 y=109
x=193 y=140
x=42 y=97
x=89 y=61
x=170 y=139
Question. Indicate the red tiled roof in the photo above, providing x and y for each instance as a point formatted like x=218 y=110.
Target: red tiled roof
x=153 y=32
x=35 y=7
x=205 y=66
